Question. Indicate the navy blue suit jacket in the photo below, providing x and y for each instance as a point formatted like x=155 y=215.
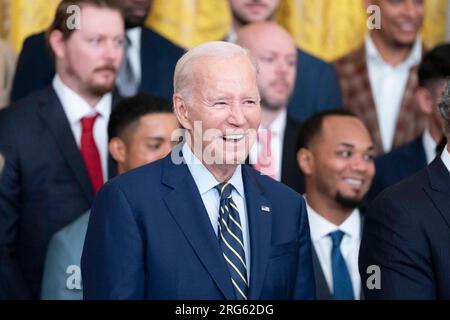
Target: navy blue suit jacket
x=35 y=68
x=43 y=187
x=406 y=234
x=316 y=87
x=397 y=165
x=150 y=237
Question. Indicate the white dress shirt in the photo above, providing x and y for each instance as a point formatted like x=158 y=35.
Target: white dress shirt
x=388 y=84
x=134 y=51
x=277 y=127
x=77 y=108
x=206 y=184
x=445 y=157
x=429 y=145
x=320 y=228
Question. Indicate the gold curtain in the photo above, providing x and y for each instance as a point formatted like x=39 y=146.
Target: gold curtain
x=327 y=28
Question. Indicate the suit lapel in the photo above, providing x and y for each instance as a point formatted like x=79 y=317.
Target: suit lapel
x=322 y=290
x=186 y=206
x=260 y=229
x=52 y=114
x=410 y=121
x=365 y=107
x=439 y=187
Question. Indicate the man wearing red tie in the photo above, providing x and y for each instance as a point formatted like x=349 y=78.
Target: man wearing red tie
x=55 y=142
x=274 y=154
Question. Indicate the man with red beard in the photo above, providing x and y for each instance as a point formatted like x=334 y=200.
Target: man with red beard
x=274 y=154
x=55 y=143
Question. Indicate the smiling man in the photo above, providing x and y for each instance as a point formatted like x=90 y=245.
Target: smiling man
x=378 y=80
x=210 y=227
x=336 y=156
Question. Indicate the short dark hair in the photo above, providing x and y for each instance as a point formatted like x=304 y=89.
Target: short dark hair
x=127 y=113
x=61 y=15
x=312 y=127
x=435 y=66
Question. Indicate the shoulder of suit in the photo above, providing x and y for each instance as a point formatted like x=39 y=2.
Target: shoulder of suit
x=152 y=37
x=351 y=58
x=407 y=189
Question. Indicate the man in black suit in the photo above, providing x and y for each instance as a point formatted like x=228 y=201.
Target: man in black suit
x=147 y=67
x=274 y=154
x=335 y=153
x=404 y=251
x=406 y=160
x=55 y=143
x=317 y=83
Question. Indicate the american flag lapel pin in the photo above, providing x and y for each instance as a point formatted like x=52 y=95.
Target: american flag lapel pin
x=265 y=209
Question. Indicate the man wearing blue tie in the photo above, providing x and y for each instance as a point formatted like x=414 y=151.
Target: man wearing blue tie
x=199 y=224
x=336 y=156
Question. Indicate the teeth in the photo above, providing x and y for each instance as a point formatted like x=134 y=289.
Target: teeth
x=234 y=137
x=407 y=27
x=354 y=182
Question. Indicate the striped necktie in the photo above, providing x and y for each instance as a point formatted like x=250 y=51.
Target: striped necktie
x=231 y=240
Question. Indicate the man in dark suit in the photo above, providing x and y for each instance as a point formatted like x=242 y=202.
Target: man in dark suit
x=275 y=153
x=201 y=224
x=147 y=66
x=55 y=143
x=414 y=156
x=335 y=153
x=404 y=251
x=316 y=84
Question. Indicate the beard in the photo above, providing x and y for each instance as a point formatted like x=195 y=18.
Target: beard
x=348 y=202
x=100 y=89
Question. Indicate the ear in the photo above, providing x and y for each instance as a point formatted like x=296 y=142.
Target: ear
x=117 y=149
x=181 y=110
x=305 y=160
x=57 y=42
x=425 y=100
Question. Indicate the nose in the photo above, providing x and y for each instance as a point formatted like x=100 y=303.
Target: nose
x=113 y=52
x=237 y=117
x=412 y=8
x=360 y=164
x=282 y=66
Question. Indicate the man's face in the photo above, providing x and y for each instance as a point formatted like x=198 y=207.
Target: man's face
x=277 y=60
x=150 y=140
x=247 y=11
x=226 y=101
x=343 y=165
x=401 y=20
x=91 y=55
x=136 y=12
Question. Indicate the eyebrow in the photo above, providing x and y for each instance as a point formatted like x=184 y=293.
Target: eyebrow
x=348 y=145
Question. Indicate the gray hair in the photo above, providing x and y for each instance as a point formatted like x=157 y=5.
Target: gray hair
x=214 y=49
x=444 y=107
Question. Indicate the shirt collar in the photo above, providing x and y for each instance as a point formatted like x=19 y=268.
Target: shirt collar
x=321 y=227
x=75 y=107
x=134 y=35
x=279 y=124
x=445 y=157
x=429 y=145
x=204 y=179
x=413 y=59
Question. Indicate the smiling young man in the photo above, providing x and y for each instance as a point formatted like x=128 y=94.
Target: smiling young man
x=210 y=227
x=336 y=156
x=378 y=80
